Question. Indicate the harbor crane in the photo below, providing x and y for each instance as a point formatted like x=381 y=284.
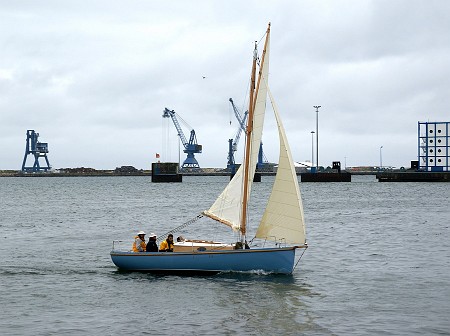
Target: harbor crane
x=232 y=143
x=38 y=150
x=190 y=146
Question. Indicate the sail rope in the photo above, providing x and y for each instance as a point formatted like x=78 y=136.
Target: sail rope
x=182 y=226
x=262 y=37
x=304 y=250
x=258 y=59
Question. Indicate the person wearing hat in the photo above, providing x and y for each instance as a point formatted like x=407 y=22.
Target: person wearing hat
x=139 y=242
x=151 y=245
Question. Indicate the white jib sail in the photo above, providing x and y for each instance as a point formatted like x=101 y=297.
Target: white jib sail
x=283 y=219
x=227 y=209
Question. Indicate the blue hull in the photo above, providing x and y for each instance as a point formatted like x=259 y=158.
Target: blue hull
x=273 y=260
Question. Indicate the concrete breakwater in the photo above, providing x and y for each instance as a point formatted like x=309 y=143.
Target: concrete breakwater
x=113 y=174
x=132 y=171
x=73 y=172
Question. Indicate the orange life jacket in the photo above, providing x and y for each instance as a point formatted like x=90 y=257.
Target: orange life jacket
x=141 y=243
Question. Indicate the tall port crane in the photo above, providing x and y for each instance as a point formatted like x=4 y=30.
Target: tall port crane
x=36 y=149
x=190 y=146
x=232 y=143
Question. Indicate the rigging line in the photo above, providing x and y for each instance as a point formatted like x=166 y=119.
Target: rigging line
x=246 y=96
x=304 y=250
x=258 y=59
x=265 y=33
x=182 y=226
x=164 y=137
x=166 y=140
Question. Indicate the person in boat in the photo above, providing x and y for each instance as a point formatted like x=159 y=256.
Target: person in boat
x=139 y=242
x=167 y=245
x=151 y=245
x=180 y=239
x=239 y=245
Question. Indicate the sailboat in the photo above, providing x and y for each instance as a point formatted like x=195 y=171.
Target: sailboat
x=282 y=222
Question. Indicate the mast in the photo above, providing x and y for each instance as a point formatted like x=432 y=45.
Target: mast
x=249 y=131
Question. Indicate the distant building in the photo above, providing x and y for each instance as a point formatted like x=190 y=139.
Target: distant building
x=434 y=146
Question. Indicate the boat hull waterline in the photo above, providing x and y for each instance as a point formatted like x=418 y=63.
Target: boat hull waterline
x=270 y=260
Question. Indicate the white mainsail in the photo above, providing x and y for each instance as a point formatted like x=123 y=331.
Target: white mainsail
x=283 y=219
x=227 y=209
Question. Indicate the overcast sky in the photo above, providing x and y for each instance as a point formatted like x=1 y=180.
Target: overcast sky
x=93 y=77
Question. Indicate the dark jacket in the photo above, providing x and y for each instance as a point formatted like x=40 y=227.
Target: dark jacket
x=152 y=246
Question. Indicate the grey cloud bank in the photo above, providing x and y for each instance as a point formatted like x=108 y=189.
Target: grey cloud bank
x=94 y=77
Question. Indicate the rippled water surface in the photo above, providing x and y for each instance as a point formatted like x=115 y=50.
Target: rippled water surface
x=378 y=261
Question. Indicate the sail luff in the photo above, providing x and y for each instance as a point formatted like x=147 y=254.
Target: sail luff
x=248 y=133
x=254 y=131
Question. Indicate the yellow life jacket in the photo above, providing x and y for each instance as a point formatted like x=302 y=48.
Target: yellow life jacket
x=142 y=244
x=165 y=246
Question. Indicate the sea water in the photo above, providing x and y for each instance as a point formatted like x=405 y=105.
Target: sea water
x=378 y=261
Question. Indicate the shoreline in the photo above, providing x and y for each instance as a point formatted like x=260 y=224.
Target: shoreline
x=146 y=173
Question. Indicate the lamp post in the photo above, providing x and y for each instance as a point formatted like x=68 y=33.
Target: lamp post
x=381 y=158
x=317 y=136
x=312 y=148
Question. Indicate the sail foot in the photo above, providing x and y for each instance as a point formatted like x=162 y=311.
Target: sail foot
x=221 y=220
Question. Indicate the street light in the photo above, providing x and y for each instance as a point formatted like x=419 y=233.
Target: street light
x=312 y=148
x=381 y=158
x=317 y=136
